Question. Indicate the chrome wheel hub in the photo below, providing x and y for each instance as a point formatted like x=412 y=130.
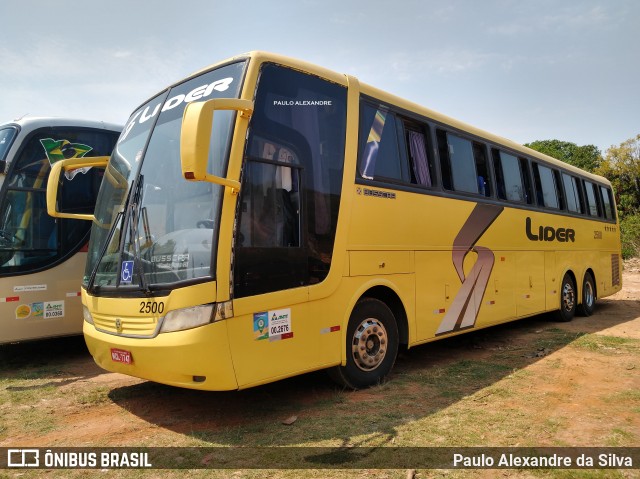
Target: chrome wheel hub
x=369 y=345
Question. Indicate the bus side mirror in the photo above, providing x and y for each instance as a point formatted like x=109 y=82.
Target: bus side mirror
x=53 y=184
x=195 y=137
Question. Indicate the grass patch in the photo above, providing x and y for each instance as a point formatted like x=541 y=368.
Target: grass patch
x=555 y=338
x=620 y=437
x=606 y=344
x=94 y=396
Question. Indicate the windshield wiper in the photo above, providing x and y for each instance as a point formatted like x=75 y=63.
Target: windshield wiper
x=90 y=285
x=131 y=220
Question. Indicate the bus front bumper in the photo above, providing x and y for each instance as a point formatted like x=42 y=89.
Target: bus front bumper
x=197 y=358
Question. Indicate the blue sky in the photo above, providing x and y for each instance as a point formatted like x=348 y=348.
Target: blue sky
x=523 y=69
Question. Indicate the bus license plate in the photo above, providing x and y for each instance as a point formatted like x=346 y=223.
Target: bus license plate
x=121 y=356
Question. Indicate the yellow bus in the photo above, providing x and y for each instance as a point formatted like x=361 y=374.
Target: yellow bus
x=41 y=258
x=266 y=217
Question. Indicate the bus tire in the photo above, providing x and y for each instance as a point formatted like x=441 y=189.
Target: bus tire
x=588 y=304
x=372 y=345
x=568 y=300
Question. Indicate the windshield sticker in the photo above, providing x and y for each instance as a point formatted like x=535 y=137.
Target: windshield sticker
x=197 y=93
x=126 y=274
x=273 y=325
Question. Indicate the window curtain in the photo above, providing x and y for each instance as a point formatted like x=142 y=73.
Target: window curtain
x=419 y=155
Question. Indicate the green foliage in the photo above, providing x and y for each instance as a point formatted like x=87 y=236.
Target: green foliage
x=587 y=157
x=630 y=236
x=621 y=166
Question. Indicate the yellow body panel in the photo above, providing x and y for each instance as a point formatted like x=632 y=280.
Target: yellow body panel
x=170 y=358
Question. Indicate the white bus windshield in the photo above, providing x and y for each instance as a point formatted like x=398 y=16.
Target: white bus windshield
x=170 y=225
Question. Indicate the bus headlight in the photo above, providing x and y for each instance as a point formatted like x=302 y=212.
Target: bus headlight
x=87 y=315
x=187 y=318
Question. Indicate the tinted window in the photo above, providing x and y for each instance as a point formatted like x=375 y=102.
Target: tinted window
x=290 y=195
x=379 y=152
x=607 y=201
x=545 y=186
x=482 y=169
x=422 y=168
x=508 y=177
x=457 y=163
x=572 y=193
x=592 y=202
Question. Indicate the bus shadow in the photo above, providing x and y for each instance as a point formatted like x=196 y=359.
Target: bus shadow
x=61 y=361
x=425 y=380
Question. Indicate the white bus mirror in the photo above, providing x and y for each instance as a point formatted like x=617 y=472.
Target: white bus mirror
x=195 y=137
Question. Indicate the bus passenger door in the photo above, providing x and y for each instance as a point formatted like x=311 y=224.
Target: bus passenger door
x=285 y=229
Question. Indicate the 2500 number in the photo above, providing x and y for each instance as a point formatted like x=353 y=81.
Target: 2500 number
x=151 y=307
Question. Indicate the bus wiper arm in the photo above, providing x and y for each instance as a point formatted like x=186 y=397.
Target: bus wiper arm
x=103 y=250
x=133 y=231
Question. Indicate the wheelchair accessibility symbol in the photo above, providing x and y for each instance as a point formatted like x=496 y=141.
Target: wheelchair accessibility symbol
x=127 y=272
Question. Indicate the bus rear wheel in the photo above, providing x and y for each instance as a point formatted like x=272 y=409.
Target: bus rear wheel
x=588 y=304
x=567 y=300
x=372 y=345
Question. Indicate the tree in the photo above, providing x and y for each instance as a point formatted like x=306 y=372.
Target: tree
x=621 y=166
x=587 y=157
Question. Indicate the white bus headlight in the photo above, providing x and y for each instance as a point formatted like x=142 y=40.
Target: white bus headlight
x=187 y=318
x=87 y=315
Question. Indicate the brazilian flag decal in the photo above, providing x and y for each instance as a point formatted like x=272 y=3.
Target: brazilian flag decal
x=63 y=149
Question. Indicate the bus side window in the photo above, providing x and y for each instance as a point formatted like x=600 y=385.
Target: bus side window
x=592 y=203
x=508 y=176
x=457 y=163
x=380 y=154
x=420 y=161
x=607 y=199
x=482 y=169
x=526 y=180
x=562 y=201
x=545 y=186
x=572 y=193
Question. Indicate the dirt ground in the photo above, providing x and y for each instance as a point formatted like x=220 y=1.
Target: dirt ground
x=579 y=392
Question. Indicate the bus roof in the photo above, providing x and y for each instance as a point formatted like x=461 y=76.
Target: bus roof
x=403 y=104
x=32 y=122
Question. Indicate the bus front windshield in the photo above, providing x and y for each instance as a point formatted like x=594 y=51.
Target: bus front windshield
x=153 y=228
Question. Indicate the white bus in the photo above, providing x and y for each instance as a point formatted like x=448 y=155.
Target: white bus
x=42 y=258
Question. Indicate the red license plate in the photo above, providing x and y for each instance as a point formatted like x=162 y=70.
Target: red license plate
x=121 y=356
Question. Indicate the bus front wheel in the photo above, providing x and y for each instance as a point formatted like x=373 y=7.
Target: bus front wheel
x=588 y=304
x=568 y=300
x=372 y=345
